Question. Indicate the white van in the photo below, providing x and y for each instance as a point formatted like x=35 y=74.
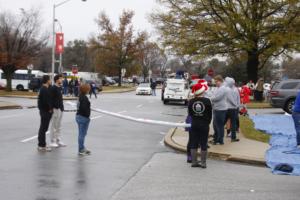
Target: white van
x=20 y=79
x=176 y=90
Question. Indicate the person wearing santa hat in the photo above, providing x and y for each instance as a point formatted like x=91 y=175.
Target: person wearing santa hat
x=200 y=110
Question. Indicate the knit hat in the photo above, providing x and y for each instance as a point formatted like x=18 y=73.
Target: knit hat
x=203 y=82
x=199 y=88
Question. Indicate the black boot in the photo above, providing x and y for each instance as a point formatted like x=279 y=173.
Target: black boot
x=203 y=159
x=194 y=158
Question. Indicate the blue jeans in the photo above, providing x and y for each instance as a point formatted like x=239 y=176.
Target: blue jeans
x=153 y=92
x=296 y=117
x=65 y=90
x=218 y=124
x=83 y=125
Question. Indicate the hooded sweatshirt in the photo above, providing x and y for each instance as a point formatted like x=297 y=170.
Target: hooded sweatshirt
x=233 y=95
x=219 y=98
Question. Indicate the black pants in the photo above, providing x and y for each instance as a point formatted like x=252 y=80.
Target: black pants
x=45 y=120
x=199 y=136
x=233 y=115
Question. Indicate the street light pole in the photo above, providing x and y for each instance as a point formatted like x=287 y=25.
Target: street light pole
x=53 y=36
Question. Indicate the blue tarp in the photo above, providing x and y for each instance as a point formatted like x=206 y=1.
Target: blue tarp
x=283 y=143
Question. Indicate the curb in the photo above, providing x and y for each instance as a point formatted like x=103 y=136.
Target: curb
x=220 y=156
x=10 y=107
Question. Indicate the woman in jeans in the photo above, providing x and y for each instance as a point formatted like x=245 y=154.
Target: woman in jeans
x=296 y=117
x=83 y=117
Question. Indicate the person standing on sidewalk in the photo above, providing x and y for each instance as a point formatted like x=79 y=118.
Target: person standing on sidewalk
x=65 y=86
x=200 y=110
x=83 y=118
x=233 y=103
x=219 y=102
x=296 y=117
x=58 y=109
x=45 y=108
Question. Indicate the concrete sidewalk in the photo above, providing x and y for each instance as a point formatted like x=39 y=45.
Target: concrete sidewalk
x=245 y=151
x=8 y=105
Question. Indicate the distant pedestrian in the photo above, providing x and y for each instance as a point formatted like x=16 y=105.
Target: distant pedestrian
x=233 y=104
x=93 y=89
x=296 y=117
x=71 y=87
x=219 y=102
x=83 y=118
x=259 y=90
x=200 y=111
x=45 y=108
x=65 y=86
x=76 y=87
x=58 y=109
x=153 y=88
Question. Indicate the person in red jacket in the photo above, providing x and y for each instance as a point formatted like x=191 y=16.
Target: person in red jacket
x=245 y=94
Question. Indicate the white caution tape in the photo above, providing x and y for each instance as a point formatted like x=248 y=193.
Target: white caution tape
x=140 y=120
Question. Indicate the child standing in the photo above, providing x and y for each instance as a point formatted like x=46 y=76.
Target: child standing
x=200 y=110
x=83 y=118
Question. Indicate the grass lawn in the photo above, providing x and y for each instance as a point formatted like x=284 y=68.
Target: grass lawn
x=248 y=130
x=18 y=93
x=112 y=88
x=258 y=105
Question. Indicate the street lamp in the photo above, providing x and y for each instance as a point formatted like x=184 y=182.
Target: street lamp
x=53 y=34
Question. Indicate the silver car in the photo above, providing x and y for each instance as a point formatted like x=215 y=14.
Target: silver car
x=284 y=93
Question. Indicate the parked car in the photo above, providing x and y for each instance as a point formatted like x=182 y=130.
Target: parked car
x=143 y=88
x=97 y=83
x=283 y=94
x=108 y=81
x=35 y=84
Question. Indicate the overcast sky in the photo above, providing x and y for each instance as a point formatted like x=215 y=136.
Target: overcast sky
x=78 y=18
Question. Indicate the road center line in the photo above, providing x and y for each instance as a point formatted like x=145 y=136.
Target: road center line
x=139 y=106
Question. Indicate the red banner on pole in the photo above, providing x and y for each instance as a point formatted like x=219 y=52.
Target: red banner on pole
x=59 y=48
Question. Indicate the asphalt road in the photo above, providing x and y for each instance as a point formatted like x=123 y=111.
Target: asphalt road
x=121 y=150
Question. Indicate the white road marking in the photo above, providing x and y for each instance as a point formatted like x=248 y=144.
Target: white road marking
x=32 y=138
x=96 y=117
x=139 y=106
x=162 y=142
x=11 y=116
x=124 y=111
x=48 y=132
x=162 y=133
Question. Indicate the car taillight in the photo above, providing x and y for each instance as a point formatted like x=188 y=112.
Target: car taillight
x=274 y=93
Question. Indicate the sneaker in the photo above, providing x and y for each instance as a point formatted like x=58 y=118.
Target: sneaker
x=84 y=152
x=53 y=145
x=235 y=140
x=44 y=149
x=61 y=144
x=196 y=165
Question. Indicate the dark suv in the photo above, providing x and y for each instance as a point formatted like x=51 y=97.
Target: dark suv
x=283 y=94
x=35 y=84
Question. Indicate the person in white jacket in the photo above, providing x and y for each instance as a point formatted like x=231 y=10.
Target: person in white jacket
x=219 y=103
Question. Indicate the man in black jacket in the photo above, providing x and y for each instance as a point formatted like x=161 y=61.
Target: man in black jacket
x=58 y=108
x=45 y=107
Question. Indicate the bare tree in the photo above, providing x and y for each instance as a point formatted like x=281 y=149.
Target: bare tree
x=20 y=41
